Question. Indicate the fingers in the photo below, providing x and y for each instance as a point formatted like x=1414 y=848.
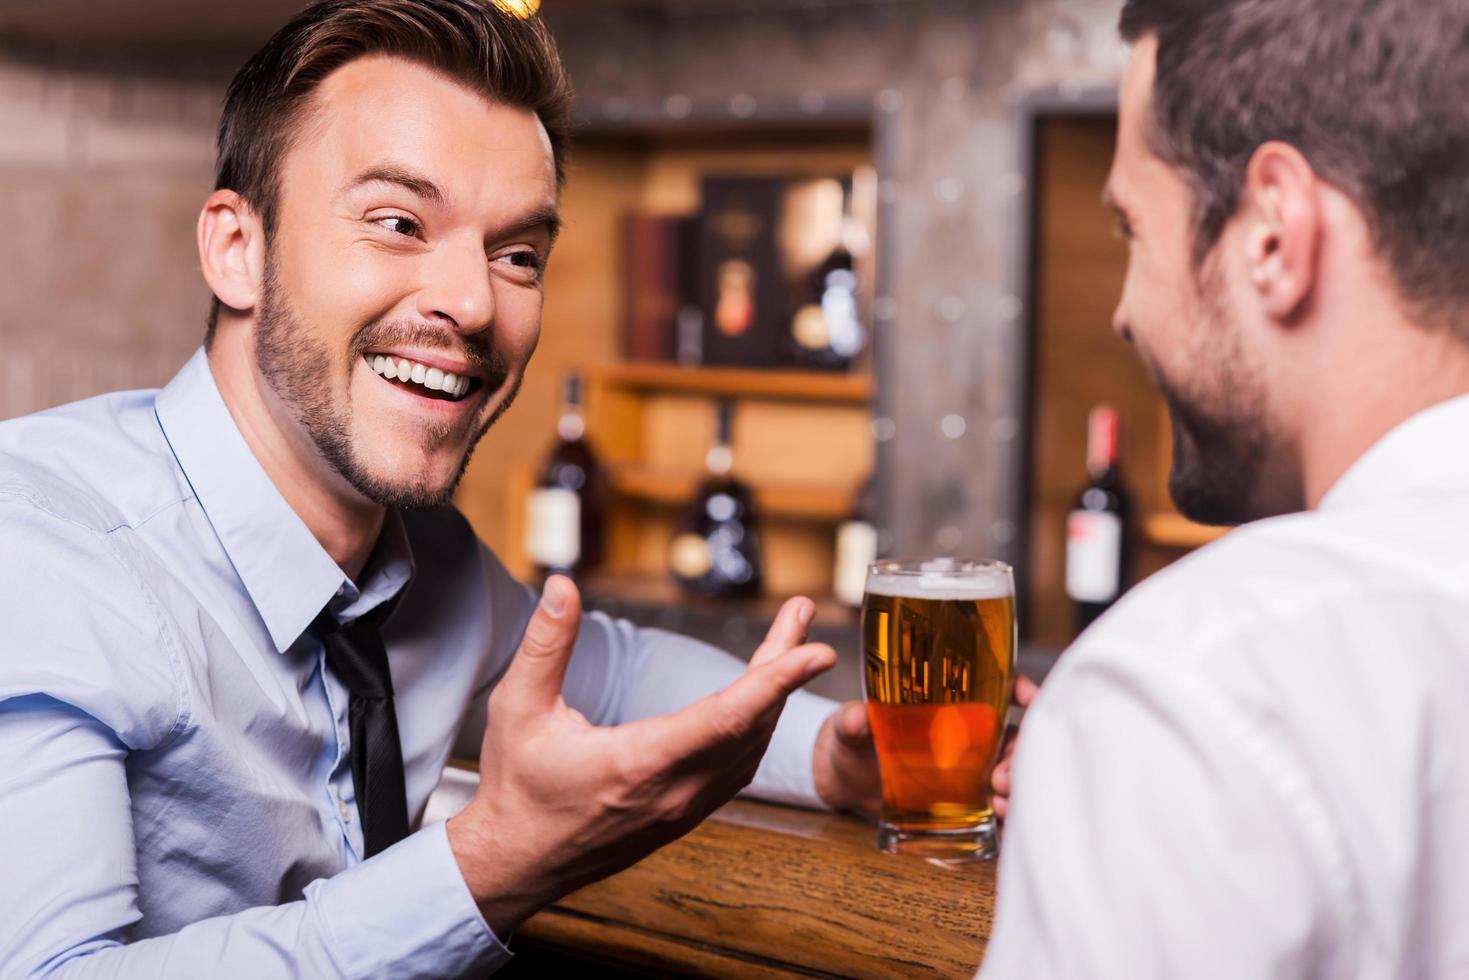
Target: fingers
x=534 y=679
x=1025 y=690
x=1000 y=778
x=852 y=728
x=740 y=708
x=788 y=630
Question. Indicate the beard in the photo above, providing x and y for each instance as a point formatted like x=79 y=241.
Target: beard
x=1230 y=465
x=288 y=355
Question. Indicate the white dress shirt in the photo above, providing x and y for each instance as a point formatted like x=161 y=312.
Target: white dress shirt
x=176 y=792
x=1257 y=765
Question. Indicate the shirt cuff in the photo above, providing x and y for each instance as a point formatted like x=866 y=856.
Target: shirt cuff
x=407 y=912
x=785 y=774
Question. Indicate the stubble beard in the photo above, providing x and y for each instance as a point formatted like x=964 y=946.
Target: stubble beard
x=1229 y=464
x=286 y=353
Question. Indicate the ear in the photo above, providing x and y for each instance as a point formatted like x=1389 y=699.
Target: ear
x=231 y=249
x=1282 y=243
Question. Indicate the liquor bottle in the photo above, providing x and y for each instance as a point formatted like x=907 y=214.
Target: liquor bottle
x=856 y=546
x=716 y=551
x=563 y=532
x=826 y=331
x=1097 y=528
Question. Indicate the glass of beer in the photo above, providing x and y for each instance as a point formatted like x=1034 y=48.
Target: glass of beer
x=938 y=643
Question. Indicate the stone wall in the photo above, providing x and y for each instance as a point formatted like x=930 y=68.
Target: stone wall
x=103 y=172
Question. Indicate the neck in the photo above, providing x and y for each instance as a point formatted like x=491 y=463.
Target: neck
x=1409 y=368
x=345 y=523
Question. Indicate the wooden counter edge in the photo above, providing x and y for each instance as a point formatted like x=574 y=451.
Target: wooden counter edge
x=764 y=890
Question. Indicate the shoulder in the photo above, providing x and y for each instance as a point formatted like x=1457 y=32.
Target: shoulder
x=82 y=628
x=1284 y=580
x=102 y=463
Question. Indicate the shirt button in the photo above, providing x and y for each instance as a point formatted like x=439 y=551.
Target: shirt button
x=341 y=590
x=345 y=811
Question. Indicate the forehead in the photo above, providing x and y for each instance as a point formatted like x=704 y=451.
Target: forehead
x=1134 y=107
x=379 y=108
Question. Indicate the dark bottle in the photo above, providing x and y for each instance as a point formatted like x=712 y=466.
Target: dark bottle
x=1097 y=528
x=856 y=546
x=826 y=331
x=716 y=551
x=564 y=518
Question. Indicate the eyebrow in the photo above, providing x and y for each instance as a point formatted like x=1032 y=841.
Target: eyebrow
x=547 y=216
x=389 y=174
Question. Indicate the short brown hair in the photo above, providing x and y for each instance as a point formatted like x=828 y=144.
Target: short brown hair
x=506 y=57
x=1371 y=92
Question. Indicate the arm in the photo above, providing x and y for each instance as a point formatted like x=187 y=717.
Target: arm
x=1154 y=832
x=89 y=677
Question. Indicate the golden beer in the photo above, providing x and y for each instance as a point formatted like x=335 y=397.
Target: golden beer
x=938 y=641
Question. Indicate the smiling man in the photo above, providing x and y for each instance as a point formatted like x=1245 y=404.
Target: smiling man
x=243 y=621
x=1255 y=764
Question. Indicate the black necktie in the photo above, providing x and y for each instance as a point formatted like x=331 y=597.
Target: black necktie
x=356 y=656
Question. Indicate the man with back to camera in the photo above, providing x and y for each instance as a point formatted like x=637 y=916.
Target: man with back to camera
x=207 y=767
x=1255 y=765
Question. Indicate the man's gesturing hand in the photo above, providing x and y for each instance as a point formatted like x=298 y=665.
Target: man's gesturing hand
x=562 y=802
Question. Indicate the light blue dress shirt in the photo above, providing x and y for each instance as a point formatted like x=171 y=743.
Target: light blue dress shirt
x=175 y=781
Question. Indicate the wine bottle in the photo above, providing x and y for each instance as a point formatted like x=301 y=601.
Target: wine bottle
x=563 y=532
x=716 y=551
x=856 y=546
x=1097 y=527
x=826 y=332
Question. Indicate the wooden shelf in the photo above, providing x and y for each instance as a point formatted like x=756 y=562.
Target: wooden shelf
x=1175 y=531
x=736 y=382
x=799 y=501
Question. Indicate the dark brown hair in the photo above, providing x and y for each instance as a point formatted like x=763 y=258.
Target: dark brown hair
x=505 y=57
x=1371 y=92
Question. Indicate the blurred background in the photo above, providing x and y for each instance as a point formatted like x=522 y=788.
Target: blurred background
x=853 y=247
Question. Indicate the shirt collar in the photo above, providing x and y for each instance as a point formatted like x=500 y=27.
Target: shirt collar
x=1425 y=451
x=287 y=573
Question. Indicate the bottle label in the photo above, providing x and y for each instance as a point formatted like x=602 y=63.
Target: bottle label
x=1093 y=556
x=553 y=527
x=856 y=549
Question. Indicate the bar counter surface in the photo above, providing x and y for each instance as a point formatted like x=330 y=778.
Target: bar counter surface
x=768 y=891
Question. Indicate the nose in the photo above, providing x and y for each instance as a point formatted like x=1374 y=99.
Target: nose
x=456 y=286
x=1120 y=324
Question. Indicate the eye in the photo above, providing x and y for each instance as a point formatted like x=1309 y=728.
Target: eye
x=1122 y=228
x=400 y=225
x=527 y=259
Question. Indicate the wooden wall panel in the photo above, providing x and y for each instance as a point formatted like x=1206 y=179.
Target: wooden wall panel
x=1079 y=361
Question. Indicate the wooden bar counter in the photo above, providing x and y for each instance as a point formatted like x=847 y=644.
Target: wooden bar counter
x=767 y=891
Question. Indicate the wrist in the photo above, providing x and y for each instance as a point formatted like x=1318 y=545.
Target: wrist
x=503 y=891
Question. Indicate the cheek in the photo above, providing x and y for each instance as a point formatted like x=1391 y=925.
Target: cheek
x=517 y=320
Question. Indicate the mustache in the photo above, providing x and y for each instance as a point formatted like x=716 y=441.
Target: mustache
x=485 y=360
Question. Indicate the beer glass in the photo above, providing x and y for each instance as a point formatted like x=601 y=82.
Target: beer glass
x=938 y=642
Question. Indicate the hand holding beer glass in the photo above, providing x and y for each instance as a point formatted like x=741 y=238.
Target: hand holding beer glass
x=938 y=640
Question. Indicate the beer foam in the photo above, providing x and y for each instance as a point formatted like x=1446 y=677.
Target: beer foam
x=979 y=582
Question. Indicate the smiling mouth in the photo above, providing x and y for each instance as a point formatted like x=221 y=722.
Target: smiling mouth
x=429 y=382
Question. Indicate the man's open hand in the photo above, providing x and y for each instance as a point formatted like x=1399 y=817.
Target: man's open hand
x=562 y=802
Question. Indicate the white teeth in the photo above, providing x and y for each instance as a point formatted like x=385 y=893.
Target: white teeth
x=430 y=377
